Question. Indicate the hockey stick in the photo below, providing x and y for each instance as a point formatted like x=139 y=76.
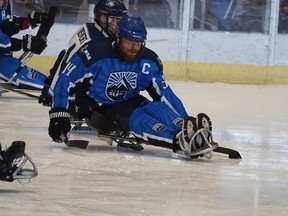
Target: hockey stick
x=43 y=32
x=82 y=144
x=18 y=91
x=7 y=87
x=74 y=143
x=233 y=154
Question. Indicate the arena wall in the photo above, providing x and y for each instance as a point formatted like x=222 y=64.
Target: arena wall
x=242 y=58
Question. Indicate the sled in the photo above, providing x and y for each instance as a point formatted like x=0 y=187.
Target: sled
x=108 y=129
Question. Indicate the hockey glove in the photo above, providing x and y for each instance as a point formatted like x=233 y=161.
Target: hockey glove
x=14 y=25
x=22 y=22
x=45 y=98
x=84 y=105
x=10 y=28
x=37 y=18
x=59 y=127
x=34 y=44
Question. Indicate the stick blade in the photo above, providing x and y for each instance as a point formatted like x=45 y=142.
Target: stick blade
x=233 y=154
x=82 y=144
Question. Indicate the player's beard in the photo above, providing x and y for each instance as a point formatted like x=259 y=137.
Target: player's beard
x=130 y=56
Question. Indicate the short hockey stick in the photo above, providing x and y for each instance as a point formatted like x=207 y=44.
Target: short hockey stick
x=43 y=32
x=27 y=56
x=74 y=143
x=9 y=87
x=233 y=154
x=82 y=144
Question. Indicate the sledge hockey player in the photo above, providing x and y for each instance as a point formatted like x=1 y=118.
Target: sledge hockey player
x=10 y=26
x=117 y=72
x=12 y=161
x=106 y=15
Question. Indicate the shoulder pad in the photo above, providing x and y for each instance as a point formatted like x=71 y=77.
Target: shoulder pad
x=92 y=52
x=151 y=55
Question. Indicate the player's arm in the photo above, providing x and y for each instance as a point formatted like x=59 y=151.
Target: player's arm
x=5 y=44
x=12 y=26
x=16 y=24
x=28 y=43
x=159 y=90
x=70 y=73
x=73 y=72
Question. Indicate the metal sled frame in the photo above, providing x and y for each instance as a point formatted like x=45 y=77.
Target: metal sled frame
x=126 y=139
x=23 y=175
x=123 y=139
x=109 y=130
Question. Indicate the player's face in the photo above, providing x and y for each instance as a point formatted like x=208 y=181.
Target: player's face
x=130 y=49
x=112 y=23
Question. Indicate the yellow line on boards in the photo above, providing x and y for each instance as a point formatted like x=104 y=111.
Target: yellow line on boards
x=201 y=72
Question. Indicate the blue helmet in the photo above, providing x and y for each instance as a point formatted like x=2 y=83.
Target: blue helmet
x=131 y=28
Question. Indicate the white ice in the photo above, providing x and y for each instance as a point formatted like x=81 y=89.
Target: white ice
x=104 y=180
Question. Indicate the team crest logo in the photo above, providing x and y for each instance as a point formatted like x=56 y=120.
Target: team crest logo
x=119 y=83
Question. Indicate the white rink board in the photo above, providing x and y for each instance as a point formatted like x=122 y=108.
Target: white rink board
x=202 y=47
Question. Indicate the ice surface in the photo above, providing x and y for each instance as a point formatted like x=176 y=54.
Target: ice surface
x=104 y=180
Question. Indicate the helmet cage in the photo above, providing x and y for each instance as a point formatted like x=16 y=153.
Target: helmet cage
x=111 y=18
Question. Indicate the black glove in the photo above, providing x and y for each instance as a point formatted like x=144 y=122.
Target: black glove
x=84 y=105
x=34 y=44
x=14 y=25
x=45 y=98
x=22 y=22
x=59 y=127
x=37 y=18
x=10 y=28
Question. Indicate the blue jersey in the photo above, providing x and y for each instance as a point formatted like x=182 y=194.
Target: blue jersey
x=27 y=77
x=112 y=81
x=5 y=40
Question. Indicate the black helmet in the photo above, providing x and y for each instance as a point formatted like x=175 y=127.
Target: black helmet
x=109 y=8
